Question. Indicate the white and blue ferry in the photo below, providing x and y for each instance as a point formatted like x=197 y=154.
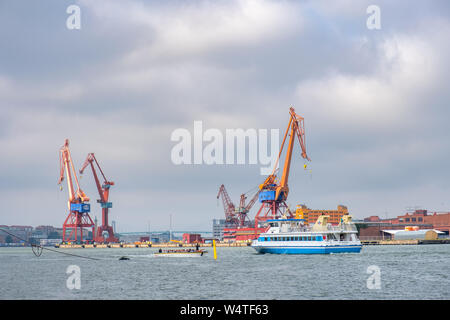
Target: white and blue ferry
x=292 y=236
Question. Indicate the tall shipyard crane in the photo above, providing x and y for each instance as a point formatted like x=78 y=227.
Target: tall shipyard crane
x=273 y=193
x=228 y=207
x=105 y=232
x=236 y=217
x=244 y=209
x=78 y=205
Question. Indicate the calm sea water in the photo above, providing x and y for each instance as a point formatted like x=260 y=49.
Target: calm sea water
x=406 y=272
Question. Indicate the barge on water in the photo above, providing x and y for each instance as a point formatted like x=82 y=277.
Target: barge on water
x=292 y=236
x=179 y=253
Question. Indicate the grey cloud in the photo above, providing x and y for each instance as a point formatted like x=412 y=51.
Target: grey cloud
x=122 y=84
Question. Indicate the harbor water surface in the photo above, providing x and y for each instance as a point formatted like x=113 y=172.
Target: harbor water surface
x=406 y=272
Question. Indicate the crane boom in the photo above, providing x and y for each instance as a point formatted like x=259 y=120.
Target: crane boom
x=66 y=165
x=273 y=194
x=252 y=202
x=228 y=206
x=79 y=207
x=103 y=191
x=297 y=129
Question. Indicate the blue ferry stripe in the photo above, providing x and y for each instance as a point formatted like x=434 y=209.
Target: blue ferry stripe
x=306 y=250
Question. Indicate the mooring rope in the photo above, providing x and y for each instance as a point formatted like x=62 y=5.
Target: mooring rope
x=37 y=249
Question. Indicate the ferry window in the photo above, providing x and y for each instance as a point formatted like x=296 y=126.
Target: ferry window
x=313 y=238
x=407 y=219
x=309 y=238
x=413 y=219
x=420 y=219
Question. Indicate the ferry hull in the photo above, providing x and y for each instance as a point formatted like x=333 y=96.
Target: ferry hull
x=309 y=250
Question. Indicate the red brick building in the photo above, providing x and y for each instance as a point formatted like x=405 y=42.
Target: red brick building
x=373 y=226
x=421 y=218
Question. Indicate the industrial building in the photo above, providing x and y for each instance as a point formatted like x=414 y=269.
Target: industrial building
x=241 y=234
x=423 y=234
x=217 y=228
x=421 y=218
x=310 y=215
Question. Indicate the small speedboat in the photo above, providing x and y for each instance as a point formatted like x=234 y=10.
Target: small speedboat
x=179 y=253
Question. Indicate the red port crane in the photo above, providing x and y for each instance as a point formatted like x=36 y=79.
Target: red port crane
x=273 y=194
x=244 y=209
x=236 y=217
x=228 y=207
x=105 y=232
x=78 y=205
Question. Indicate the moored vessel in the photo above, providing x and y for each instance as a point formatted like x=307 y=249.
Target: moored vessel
x=180 y=253
x=292 y=236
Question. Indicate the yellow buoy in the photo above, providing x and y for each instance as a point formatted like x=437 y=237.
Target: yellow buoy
x=215 y=252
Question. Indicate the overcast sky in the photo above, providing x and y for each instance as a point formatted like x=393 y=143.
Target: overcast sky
x=375 y=103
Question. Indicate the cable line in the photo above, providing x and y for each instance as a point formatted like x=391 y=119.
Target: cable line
x=37 y=249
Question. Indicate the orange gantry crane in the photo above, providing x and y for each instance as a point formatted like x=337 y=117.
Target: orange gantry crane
x=273 y=193
x=104 y=232
x=78 y=205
